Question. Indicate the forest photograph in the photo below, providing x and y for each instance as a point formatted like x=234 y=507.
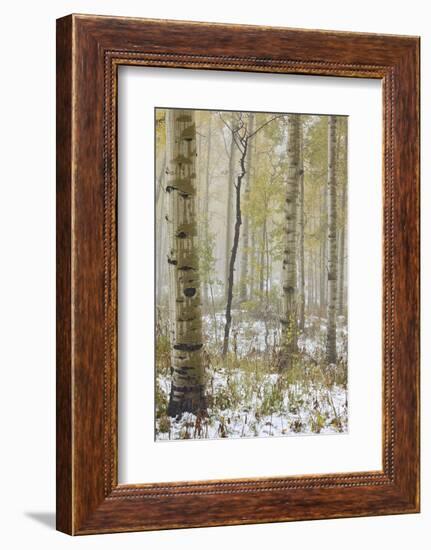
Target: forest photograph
x=251 y=273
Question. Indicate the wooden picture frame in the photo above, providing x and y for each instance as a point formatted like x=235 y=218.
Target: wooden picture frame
x=89 y=51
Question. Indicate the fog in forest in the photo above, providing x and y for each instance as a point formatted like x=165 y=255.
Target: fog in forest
x=251 y=274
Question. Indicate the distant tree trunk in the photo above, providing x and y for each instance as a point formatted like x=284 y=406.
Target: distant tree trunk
x=229 y=213
x=262 y=261
x=268 y=269
x=289 y=318
x=206 y=205
x=309 y=285
x=187 y=390
x=342 y=243
x=331 y=350
x=252 y=261
x=314 y=275
x=233 y=255
x=317 y=275
x=245 y=228
x=301 y=232
x=323 y=281
x=341 y=267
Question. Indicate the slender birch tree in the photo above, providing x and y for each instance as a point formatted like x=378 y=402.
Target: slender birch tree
x=187 y=389
x=331 y=350
x=289 y=317
x=241 y=143
x=241 y=138
x=229 y=211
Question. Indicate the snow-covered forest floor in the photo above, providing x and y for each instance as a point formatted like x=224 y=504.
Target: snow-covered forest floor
x=248 y=395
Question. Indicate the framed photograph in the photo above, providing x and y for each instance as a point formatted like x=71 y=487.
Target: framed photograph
x=237 y=274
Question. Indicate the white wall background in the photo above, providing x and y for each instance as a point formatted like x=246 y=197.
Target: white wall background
x=27 y=280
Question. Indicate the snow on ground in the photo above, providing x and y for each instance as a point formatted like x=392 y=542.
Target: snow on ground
x=302 y=410
x=250 y=335
x=263 y=404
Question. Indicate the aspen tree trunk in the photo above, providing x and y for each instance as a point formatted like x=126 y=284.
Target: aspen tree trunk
x=331 y=351
x=314 y=280
x=262 y=260
x=206 y=205
x=301 y=232
x=245 y=228
x=187 y=390
x=289 y=318
x=341 y=266
x=252 y=261
x=160 y=178
x=160 y=209
x=160 y=246
x=342 y=250
x=230 y=185
x=171 y=219
x=310 y=287
x=323 y=253
x=268 y=270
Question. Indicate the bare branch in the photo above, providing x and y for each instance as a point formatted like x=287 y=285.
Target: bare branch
x=233 y=131
x=265 y=124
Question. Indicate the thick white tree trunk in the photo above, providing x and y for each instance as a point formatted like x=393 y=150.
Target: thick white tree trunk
x=187 y=390
x=290 y=291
